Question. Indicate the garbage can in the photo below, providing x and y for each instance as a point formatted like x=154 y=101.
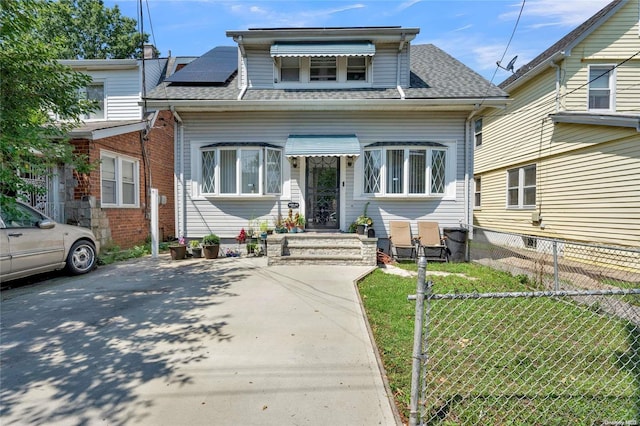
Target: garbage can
x=456 y=243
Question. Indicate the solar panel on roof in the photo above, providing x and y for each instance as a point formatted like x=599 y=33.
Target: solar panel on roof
x=215 y=66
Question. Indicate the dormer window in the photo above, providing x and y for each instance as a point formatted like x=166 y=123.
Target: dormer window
x=356 y=68
x=323 y=69
x=323 y=64
x=290 y=69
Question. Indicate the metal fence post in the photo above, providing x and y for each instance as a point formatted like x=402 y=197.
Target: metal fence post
x=556 y=282
x=417 y=343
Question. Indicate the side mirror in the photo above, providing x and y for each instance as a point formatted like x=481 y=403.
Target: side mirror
x=46 y=224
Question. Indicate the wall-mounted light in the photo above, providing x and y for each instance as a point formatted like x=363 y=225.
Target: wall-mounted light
x=294 y=162
x=350 y=160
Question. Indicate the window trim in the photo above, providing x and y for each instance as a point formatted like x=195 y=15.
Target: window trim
x=612 y=87
x=119 y=182
x=477 y=192
x=521 y=187
x=477 y=134
x=197 y=170
x=449 y=179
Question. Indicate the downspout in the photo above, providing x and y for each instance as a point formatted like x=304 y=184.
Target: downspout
x=467 y=143
x=243 y=58
x=178 y=135
x=400 y=47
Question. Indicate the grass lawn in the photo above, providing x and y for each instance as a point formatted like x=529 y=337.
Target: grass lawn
x=537 y=361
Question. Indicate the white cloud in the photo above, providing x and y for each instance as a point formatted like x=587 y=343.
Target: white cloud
x=565 y=13
x=265 y=17
x=407 y=4
x=466 y=27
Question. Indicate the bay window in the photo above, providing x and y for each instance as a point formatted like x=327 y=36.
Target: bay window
x=240 y=171
x=408 y=171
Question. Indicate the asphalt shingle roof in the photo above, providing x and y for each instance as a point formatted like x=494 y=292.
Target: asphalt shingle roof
x=434 y=75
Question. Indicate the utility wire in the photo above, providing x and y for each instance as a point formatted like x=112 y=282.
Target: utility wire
x=506 y=49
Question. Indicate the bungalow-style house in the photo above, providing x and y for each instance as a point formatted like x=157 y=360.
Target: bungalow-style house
x=131 y=148
x=562 y=160
x=325 y=121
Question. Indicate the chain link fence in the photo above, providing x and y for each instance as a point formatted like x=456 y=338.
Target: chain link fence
x=559 y=344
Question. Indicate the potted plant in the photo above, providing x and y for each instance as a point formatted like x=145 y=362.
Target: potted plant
x=291 y=221
x=251 y=248
x=264 y=229
x=278 y=224
x=300 y=222
x=178 y=250
x=363 y=222
x=210 y=246
x=196 y=249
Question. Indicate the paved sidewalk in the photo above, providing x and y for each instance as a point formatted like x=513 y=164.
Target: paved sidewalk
x=193 y=342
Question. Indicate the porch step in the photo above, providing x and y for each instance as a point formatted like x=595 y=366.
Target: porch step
x=321 y=249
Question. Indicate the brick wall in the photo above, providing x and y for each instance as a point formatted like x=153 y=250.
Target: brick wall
x=130 y=226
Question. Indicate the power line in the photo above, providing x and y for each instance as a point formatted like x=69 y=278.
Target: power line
x=506 y=49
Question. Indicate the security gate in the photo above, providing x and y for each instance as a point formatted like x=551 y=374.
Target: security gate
x=323 y=193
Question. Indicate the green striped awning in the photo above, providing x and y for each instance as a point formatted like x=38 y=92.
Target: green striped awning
x=323 y=49
x=322 y=146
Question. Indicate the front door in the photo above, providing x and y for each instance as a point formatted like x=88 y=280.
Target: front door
x=323 y=193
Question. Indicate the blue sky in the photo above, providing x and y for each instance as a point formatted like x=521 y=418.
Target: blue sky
x=474 y=32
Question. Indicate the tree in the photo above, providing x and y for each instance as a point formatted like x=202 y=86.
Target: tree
x=35 y=91
x=85 y=29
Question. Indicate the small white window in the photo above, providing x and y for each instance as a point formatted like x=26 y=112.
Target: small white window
x=601 y=87
x=521 y=187
x=477 y=194
x=289 y=69
x=94 y=92
x=323 y=69
x=478 y=132
x=356 y=68
x=119 y=181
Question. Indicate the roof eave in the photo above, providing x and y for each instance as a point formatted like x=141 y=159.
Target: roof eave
x=439 y=104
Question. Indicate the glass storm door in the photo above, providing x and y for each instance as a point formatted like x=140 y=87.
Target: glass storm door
x=323 y=193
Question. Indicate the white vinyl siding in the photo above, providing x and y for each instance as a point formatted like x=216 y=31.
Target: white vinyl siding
x=121 y=94
x=226 y=215
x=119 y=180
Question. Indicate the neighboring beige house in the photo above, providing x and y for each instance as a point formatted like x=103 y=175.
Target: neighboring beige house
x=562 y=160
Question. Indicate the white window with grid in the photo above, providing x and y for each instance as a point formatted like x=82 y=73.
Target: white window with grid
x=239 y=171
x=408 y=171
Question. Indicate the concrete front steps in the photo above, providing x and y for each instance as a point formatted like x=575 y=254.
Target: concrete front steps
x=311 y=248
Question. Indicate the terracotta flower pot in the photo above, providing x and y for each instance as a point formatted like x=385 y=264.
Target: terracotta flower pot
x=211 y=252
x=178 y=252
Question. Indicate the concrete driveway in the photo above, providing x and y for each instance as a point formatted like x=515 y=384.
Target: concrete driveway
x=192 y=342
